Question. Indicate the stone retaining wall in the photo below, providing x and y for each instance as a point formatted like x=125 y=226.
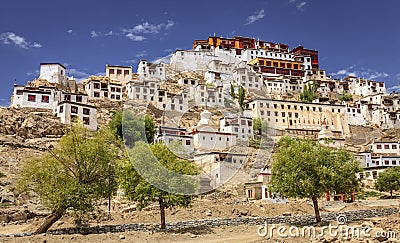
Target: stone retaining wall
x=290 y=220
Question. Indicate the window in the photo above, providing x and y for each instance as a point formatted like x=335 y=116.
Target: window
x=96 y=94
x=118 y=97
x=386 y=146
x=119 y=89
x=106 y=94
x=126 y=72
x=112 y=96
x=45 y=98
x=67 y=97
x=32 y=98
x=394 y=146
x=20 y=92
x=378 y=146
x=61 y=109
x=86 y=120
x=86 y=111
x=96 y=86
x=74 y=109
x=79 y=98
x=111 y=71
x=112 y=89
x=119 y=71
x=188 y=142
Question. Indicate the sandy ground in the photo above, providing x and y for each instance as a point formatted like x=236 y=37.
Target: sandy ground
x=218 y=207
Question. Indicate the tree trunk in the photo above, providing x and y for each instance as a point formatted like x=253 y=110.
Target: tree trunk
x=49 y=221
x=391 y=194
x=162 y=212
x=316 y=209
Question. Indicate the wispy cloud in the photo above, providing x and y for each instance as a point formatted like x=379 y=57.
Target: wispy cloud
x=361 y=72
x=394 y=88
x=165 y=59
x=148 y=28
x=256 y=16
x=70 y=31
x=94 y=34
x=34 y=73
x=10 y=37
x=131 y=61
x=300 y=5
x=137 y=32
x=141 y=54
x=134 y=37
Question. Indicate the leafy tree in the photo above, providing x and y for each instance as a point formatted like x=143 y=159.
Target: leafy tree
x=233 y=91
x=142 y=181
x=260 y=126
x=389 y=180
x=149 y=128
x=241 y=97
x=76 y=174
x=132 y=128
x=303 y=168
x=345 y=97
x=309 y=93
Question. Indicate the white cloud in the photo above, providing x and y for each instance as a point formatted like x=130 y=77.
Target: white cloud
x=168 y=50
x=369 y=74
x=131 y=61
x=257 y=16
x=394 y=88
x=34 y=73
x=138 y=32
x=11 y=37
x=94 y=34
x=135 y=37
x=147 y=28
x=165 y=59
x=141 y=54
x=109 y=33
x=301 y=6
x=69 y=31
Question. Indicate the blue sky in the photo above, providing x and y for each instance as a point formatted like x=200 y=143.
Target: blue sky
x=353 y=37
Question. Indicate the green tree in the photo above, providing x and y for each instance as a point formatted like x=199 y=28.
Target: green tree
x=146 y=189
x=345 y=97
x=241 y=97
x=233 y=91
x=149 y=128
x=260 y=126
x=309 y=92
x=76 y=174
x=305 y=169
x=389 y=180
x=132 y=128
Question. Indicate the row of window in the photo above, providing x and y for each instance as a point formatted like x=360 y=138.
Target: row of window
x=78 y=98
x=119 y=71
x=113 y=89
x=113 y=96
x=289 y=107
x=45 y=98
x=386 y=146
x=74 y=110
x=387 y=162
